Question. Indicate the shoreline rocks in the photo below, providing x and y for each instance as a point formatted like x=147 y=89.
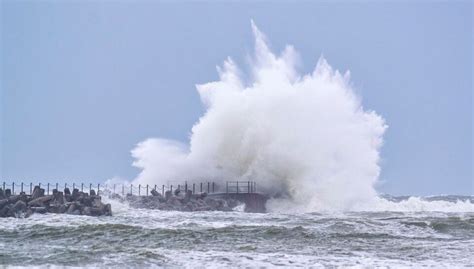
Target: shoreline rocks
x=178 y=201
x=75 y=203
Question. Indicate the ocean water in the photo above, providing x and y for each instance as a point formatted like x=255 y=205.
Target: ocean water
x=152 y=238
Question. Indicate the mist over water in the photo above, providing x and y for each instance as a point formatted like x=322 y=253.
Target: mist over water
x=305 y=138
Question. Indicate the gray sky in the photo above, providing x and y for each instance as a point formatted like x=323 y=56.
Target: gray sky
x=83 y=82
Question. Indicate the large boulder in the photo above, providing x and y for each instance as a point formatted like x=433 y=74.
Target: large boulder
x=188 y=195
x=28 y=213
x=37 y=192
x=71 y=208
x=168 y=195
x=108 y=210
x=96 y=202
x=6 y=211
x=41 y=201
x=23 y=197
x=75 y=194
x=62 y=209
x=4 y=202
x=19 y=207
x=86 y=211
x=87 y=200
x=67 y=191
x=155 y=193
x=175 y=201
x=58 y=197
x=13 y=199
x=54 y=208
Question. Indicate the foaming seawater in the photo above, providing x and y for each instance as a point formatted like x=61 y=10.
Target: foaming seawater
x=153 y=238
x=449 y=203
x=420 y=204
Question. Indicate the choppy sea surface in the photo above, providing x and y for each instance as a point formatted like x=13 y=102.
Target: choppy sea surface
x=150 y=238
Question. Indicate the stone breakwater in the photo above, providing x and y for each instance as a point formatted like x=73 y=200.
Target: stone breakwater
x=75 y=203
x=178 y=201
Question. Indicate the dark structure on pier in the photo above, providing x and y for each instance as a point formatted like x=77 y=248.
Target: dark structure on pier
x=245 y=192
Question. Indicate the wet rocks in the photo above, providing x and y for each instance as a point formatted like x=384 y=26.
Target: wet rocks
x=155 y=193
x=75 y=203
x=19 y=206
x=178 y=201
x=37 y=192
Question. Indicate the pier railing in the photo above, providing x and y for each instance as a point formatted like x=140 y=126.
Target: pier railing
x=241 y=187
x=133 y=189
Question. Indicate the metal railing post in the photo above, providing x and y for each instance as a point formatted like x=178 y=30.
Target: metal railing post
x=131 y=189
x=47 y=189
x=237 y=187
x=201 y=186
x=146 y=189
x=21 y=186
x=57 y=186
x=98 y=189
x=208 y=187
x=139 y=188
x=194 y=188
x=213 y=189
x=114 y=188
x=13 y=188
x=31 y=188
x=163 y=190
x=227 y=187
x=123 y=190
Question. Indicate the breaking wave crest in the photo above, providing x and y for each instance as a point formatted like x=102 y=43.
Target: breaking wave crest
x=305 y=138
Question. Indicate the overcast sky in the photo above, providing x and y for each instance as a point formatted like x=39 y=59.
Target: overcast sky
x=83 y=82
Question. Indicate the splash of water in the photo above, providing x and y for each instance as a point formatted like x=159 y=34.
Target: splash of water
x=305 y=138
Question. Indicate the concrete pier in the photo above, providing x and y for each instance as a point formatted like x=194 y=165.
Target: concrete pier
x=254 y=202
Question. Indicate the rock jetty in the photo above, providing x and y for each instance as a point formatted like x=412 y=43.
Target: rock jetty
x=75 y=203
x=178 y=200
